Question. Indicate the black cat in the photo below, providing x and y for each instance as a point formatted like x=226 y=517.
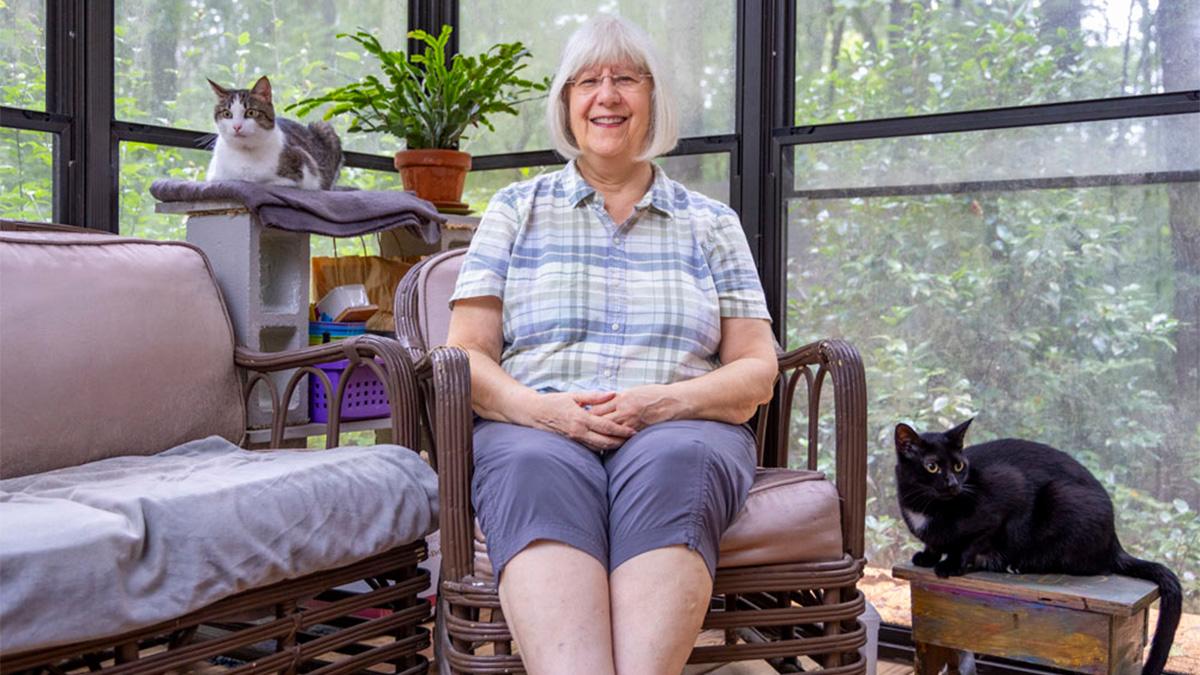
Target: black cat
x=1017 y=506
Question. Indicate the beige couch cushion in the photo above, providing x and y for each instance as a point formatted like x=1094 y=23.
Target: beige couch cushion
x=109 y=346
x=789 y=516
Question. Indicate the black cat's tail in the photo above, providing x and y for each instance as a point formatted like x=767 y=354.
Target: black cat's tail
x=1169 y=608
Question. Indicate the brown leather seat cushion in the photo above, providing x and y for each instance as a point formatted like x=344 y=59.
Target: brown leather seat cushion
x=789 y=516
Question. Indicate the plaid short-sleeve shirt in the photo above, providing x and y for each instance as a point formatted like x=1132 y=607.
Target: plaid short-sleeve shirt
x=592 y=305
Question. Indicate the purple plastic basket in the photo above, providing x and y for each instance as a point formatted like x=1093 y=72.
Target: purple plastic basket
x=365 y=396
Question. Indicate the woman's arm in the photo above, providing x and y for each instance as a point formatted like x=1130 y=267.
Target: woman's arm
x=730 y=393
x=475 y=326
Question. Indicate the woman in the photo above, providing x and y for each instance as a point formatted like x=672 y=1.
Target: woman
x=618 y=340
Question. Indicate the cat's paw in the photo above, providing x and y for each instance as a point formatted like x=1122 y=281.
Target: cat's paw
x=926 y=558
x=949 y=567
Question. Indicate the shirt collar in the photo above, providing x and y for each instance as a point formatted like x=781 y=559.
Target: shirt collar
x=657 y=197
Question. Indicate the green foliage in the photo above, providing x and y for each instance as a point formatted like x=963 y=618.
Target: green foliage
x=26 y=157
x=1047 y=313
x=902 y=58
x=26 y=175
x=23 y=54
x=424 y=103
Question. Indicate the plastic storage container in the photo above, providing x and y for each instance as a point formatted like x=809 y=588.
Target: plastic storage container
x=365 y=396
x=320 y=332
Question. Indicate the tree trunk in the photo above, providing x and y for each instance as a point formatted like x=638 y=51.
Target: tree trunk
x=1178 y=24
x=1065 y=14
x=164 y=38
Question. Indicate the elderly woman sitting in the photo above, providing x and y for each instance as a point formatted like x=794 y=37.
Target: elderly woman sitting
x=618 y=339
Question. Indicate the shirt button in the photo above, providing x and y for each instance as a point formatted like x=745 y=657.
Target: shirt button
x=616 y=240
x=608 y=373
x=616 y=326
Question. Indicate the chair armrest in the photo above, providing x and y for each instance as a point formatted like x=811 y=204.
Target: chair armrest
x=841 y=362
x=445 y=376
x=383 y=356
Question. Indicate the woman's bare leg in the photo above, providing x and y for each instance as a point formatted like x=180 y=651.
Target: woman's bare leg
x=555 y=599
x=659 y=599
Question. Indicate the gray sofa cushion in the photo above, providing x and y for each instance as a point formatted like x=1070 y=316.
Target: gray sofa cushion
x=126 y=542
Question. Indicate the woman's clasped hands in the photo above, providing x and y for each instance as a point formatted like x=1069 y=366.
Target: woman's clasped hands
x=603 y=421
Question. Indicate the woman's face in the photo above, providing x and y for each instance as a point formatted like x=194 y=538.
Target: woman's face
x=609 y=111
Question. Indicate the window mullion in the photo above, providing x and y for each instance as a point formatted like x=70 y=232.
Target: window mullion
x=94 y=62
x=63 y=97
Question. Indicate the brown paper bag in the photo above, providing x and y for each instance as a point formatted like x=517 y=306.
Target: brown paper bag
x=380 y=276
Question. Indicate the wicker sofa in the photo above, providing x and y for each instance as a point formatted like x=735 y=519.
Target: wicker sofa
x=136 y=536
x=788 y=567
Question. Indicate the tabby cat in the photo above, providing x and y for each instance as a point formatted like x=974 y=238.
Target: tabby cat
x=1017 y=506
x=255 y=145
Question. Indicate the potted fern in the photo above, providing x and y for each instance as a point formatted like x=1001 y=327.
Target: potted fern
x=430 y=104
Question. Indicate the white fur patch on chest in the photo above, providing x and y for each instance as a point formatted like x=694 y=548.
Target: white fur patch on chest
x=254 y=159
x=253 y=167
x=916 y=521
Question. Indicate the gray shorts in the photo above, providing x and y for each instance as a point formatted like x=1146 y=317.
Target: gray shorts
x=673 y=483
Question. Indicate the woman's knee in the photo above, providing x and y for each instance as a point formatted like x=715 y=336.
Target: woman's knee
x=684 y=485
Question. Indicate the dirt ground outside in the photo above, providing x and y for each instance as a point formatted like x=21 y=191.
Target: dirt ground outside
x=891 y=598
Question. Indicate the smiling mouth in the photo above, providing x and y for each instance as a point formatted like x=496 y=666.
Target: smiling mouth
x=609 y=121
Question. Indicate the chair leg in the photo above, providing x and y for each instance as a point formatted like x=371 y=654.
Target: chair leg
x=127 y=652
x=441 y=638
x=504 y=647
x=930 y=659
x=832 y=596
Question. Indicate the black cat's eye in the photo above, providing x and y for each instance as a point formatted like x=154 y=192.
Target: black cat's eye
x=226 y=114
x=959 y=466
x=931 y=467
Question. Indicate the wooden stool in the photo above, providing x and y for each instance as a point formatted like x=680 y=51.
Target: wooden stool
x=1086 y=624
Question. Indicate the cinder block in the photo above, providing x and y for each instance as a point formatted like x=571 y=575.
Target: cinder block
x=264 y=275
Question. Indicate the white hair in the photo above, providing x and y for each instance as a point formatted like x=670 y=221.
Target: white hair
x=607 y=40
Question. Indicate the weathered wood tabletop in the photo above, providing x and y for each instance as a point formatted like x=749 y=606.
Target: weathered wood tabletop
x=1113 y=595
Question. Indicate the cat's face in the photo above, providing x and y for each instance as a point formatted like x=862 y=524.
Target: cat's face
x=244 y=116
x=933 y=460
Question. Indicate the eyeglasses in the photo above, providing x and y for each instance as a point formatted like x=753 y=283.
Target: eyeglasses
x=624 y=82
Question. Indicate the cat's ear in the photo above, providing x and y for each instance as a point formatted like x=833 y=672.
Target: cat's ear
x=220 y=91
x=959 y=432
x=907 y=440
x=262 y=89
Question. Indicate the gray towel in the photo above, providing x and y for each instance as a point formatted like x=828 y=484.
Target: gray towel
x=337 y=213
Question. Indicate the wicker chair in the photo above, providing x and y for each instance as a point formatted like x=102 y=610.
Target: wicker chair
x=774 y=605
x=181 y=378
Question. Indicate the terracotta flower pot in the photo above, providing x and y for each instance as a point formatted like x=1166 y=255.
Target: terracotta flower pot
x=435 y=175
